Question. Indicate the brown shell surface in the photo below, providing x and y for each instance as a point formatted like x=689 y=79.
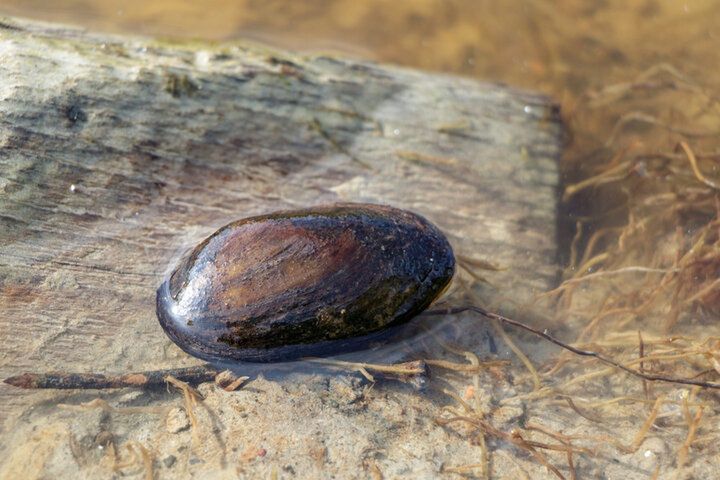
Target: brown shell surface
x=318 y=281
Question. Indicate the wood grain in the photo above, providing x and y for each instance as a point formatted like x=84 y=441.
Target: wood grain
x=117 y=154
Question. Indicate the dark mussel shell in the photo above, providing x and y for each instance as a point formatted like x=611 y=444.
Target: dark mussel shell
x=318 y=281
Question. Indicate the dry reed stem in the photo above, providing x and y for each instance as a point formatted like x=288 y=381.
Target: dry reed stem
x=630 y=363
x=694 y=165
x=642 y=117
x=466 y=406
x=706 y=290
x=580 y=412
x=476 y=276
x=710 y=438
x=694 y=424
x=595 y=239
x=644 y=81
x=641 y=354
x=463 y=367
x=138 y=455
x=484 y=457
x=117 y=466
x=509 y=342
x=615 y=400
x=407 y=370
x=523 y=358
x=580 y=352
x=479 y=263
x=574 y=245
x=647 y=425
x=619 y=271
x=372 y=468
x=656 y=473
x=614 y=174
x=190 y=398
x=147 y=459
x=659 y=269
x=474 y=360
x=565 y=440
x=474 y=418
x=514 y=438
x=590 y=264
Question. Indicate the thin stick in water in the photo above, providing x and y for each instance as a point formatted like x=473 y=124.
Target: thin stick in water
x=155 y=378
x=577 y=351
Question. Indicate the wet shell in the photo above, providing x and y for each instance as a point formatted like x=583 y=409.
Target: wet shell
x=308 y=282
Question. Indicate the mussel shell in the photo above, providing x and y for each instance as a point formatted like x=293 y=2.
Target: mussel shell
x=310 y=282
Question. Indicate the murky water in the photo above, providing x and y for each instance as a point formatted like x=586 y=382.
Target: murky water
x=639 y=91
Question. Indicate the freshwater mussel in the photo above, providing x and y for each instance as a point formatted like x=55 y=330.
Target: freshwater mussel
x=318 y=281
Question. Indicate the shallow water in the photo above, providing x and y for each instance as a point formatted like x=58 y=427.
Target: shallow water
x=633 y=79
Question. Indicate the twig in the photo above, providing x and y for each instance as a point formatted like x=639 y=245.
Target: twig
x=577 y=351
x=206 y=373
x=194 y=375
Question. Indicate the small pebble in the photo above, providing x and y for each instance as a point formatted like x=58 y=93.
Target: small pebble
x=130 y=396
x=169 y=461
x=650 y=453
x=103 y=438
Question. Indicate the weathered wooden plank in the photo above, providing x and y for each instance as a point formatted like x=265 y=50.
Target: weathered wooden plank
x=117 y=154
